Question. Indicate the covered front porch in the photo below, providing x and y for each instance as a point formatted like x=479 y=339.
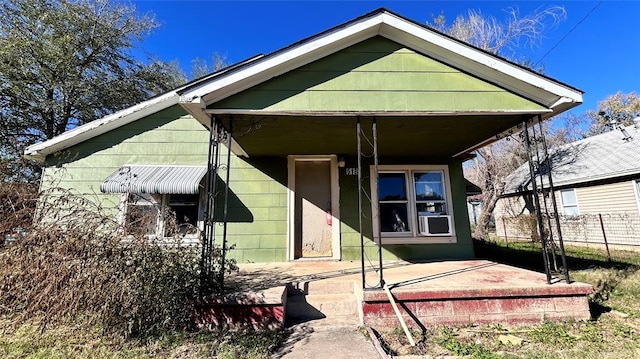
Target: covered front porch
x=359 y=132
x=428 y=294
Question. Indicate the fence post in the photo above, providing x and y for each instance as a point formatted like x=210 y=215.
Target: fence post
x=504 y=226
x=604 y=235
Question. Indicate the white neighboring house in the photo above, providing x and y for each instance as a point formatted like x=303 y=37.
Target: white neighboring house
x=597 y=190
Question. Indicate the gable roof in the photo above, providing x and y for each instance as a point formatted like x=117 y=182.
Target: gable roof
x=553 y=95
x=602 y=157
x=196 y=95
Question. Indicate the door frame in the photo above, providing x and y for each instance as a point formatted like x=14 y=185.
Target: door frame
x=336 y=250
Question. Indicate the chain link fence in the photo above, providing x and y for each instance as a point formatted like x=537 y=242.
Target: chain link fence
x=619 y=229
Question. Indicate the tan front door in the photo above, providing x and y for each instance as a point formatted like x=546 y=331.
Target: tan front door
x=312 y=206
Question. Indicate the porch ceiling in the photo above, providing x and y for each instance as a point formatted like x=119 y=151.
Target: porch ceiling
x=419 y=136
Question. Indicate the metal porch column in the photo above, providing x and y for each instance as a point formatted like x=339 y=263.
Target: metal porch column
x=225 y=207
x=534 y=185
x=209 y=231
x=362 y=192
x=217 y=134
x=548 y=165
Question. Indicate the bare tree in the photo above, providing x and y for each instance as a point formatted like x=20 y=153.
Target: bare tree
x=504 y=38
x=619 y=109
x=201 y=67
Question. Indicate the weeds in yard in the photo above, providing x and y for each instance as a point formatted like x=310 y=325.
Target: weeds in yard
x=76 y=266
x=475 y=350
x=553 y=334
x=615 y=334
x=73 y=284
x=70 y=342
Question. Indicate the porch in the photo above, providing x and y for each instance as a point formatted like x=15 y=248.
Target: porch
x=428 y=294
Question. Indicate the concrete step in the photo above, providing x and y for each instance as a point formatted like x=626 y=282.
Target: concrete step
x=319 y=287
x=318 y=306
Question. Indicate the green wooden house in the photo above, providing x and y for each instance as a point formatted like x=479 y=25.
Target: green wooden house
x=357 y=132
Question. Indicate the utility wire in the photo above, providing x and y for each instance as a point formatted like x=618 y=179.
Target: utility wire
x=567 y=34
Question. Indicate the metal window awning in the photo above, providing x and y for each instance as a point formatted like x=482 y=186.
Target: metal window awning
x=154 y=179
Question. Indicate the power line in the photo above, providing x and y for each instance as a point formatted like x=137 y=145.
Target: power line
x=567 y=34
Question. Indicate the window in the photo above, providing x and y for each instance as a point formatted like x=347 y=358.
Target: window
x=168 y=214
x=569 y=203
x=406 y=193
x=185 y=208
x=393 y=202
x=142 y=212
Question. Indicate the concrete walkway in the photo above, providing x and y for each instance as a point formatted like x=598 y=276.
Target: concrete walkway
x=331 y=342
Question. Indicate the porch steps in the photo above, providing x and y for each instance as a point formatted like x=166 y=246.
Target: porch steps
x=323 y=302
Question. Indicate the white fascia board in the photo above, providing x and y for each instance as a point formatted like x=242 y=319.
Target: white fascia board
x=222 y=111
x=39 y=151
x=472 y=60
x=271 y=66
x=197 y=110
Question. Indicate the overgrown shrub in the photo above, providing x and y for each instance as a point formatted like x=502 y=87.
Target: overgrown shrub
x=17 y=205
x=75 y=265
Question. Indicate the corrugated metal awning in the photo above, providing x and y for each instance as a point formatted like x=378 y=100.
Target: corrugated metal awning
x=154 y=179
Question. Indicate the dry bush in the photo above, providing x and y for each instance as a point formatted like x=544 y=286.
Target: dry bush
x=17 y=205
x=76 y=266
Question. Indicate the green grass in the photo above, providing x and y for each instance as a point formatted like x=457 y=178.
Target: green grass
x=614 y=331
x=29 y=341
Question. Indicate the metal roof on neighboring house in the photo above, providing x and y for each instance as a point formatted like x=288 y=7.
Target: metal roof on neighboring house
x=596 y=158
x=154 y=179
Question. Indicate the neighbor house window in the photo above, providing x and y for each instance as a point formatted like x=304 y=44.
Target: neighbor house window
x=569 y=203
x=162 y=214
x=406 y=193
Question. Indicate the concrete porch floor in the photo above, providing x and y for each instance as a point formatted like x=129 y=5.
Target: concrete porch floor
x=431 y=293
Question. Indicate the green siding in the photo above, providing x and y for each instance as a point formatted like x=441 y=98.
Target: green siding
x=376 y=75
x=167 y=137
x=258 y=206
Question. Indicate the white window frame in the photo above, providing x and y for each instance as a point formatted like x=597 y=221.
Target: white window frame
x=412 y=237
x=571 y=205
x=162 y=204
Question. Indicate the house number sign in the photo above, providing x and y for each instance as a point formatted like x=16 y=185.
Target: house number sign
x=351 y=171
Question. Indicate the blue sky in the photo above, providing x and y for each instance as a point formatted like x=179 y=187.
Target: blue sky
x=600 y=54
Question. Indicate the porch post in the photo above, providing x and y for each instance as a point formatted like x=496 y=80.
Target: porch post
x=374 y=130
x=373 y=143
x=225 y=208
x=358 y=131
x=548 y=165
x=534 y=185
x=208 y=232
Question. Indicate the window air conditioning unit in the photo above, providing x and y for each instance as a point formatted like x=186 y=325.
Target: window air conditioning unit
x=434 y=225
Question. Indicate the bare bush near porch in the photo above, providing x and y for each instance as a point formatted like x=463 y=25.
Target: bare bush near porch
x=75 y=266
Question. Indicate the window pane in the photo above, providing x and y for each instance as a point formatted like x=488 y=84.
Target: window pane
x=391 y=187
x=428 y=186
x=141 y=220
x=427 y=208
x=568 y=197
x=393 y=217
x=185 y=209
x=571 y=211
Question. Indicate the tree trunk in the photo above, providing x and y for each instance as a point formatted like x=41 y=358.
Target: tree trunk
x=491 y=197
